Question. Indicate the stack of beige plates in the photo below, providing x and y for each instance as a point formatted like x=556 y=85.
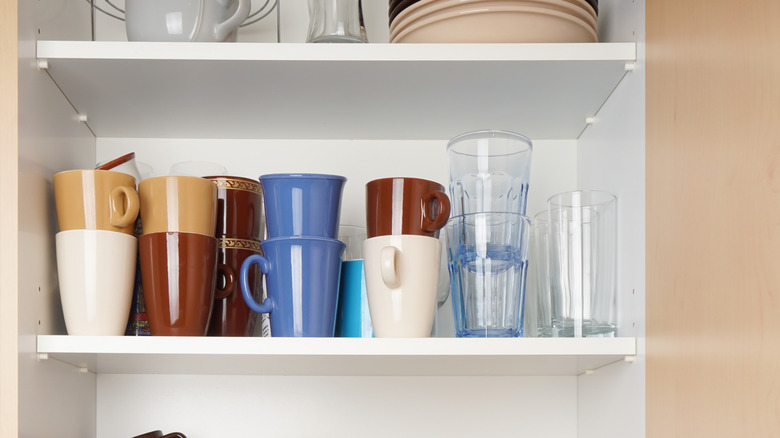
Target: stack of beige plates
x=495 y=21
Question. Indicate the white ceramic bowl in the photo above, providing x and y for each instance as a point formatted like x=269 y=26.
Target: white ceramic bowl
x=506 y=24
x=423 y=9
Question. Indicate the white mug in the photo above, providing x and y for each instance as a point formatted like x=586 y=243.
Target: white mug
x=402 y=279
x=96 y=270
x=184 y=20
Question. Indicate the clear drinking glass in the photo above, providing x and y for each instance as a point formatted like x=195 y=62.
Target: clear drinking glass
x=336 y=21
x=537 y=300
x=488 y=259
x=353 y=318
x=489 y=172
x=583 y=262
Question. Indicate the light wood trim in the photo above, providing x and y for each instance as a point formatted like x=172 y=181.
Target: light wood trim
x=9 y=140
x=713 y=218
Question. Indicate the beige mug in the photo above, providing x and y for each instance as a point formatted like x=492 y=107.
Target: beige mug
x=402 y=280
x=176 y=203
x=95 y=200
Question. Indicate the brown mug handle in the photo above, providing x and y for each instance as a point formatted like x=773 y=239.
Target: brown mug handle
x=230 y=279
x=174 y=435
x=440 y=221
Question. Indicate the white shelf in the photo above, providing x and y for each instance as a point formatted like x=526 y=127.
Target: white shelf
x=337 y=356
x=371 y=91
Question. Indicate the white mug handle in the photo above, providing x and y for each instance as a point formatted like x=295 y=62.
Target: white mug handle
x=222 y=30
x=389 y=266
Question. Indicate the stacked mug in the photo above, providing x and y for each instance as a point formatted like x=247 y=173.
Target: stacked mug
x=178 y=253
x=301 y=257
x=96 y=249
x=488 y=233
x=402 y=254
x=240 y=228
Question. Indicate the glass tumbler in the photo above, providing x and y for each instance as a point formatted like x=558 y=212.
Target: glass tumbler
x=488 y=259
x=336 y=21
x=583 y=247
x=353 y=319
x=489 y=172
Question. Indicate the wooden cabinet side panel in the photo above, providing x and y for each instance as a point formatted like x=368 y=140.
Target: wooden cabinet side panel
x=713 y=218
x=9 y=139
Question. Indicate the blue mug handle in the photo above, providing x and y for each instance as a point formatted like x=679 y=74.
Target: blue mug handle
x=265 y=267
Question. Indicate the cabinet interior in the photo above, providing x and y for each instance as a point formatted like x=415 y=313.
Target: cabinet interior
x=607 y=154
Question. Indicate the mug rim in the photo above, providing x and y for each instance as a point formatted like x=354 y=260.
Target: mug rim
x=302 y=176
x=108 y=165
x=302 y=238
x=412 y=178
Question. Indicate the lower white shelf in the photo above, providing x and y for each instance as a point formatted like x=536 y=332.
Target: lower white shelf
x=336 y=356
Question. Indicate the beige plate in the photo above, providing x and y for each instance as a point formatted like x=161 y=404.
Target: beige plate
x=506 y=24
x=578 y=8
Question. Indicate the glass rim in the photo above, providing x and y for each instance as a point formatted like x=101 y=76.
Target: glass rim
x=604 y=198
x=463 y=216
x=489 y=134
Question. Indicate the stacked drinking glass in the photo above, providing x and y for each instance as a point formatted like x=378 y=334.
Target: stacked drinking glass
x=488 y=232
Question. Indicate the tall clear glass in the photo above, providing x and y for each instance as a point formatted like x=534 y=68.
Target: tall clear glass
x=538 y=313
x=488 y=260
x=336 y=21
x=489 y=172
x=583 y=264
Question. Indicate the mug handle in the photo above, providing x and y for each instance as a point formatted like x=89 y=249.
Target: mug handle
x=119 y=194
x=222 y=30
x=441 y=219
x=265 y=268
x=174 y=435
x=388 y=262
x=230 y=278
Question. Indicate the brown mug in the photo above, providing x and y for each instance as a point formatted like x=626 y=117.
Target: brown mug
x=231 y=315
x=178 y=273
x=159 y=434
x=239 y=207
x=95 y=200
x=186 y=204
x=405 y=206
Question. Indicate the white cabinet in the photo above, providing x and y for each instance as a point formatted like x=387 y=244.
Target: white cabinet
x=364 y=111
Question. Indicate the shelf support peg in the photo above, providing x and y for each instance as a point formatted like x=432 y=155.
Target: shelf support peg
x=590 y=372
x=630 y=66
x=590 y=120
x=43 y=356
x=42 y=64
x=630 y=359
x=82 y=118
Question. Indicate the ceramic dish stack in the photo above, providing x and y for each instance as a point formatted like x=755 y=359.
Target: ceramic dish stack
x=493 y=21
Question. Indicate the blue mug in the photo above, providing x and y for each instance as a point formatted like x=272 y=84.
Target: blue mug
x=302 y=281
x=301 y=204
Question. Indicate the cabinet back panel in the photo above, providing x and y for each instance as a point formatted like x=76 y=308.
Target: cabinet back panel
x=553 y=169
x=279 y=406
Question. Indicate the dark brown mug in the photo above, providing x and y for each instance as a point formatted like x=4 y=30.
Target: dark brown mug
x=405 y=206
x=239 y=207
x=178 y=273
x=159 y=434
x=231 y=315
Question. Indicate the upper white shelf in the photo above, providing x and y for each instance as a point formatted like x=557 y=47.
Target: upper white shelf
x=351 y=91
x=337 y=356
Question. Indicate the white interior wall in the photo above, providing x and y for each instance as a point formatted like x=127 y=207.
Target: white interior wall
x=612 y=158
x=284 y=406
x=54 y=399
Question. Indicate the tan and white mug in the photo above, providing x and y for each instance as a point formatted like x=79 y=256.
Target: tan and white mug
x=95 y=200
